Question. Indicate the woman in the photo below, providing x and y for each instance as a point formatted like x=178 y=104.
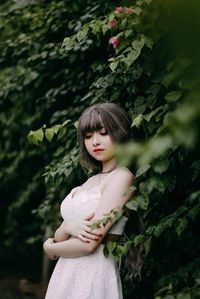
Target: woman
x=82 y=270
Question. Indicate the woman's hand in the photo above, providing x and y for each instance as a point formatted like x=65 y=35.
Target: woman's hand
x=47 y=249
x=82 y=229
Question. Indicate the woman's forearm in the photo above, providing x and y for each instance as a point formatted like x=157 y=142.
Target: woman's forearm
x=60 y=235
x=72 y=247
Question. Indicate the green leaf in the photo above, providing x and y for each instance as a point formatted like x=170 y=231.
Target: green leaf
x=148 y=117
x=128 y=32
x=150 y=230
x=39 y=134
x=49 y=133
x=160 y=165
x=138 y=10
x=181 y=225
x=105 y=28
x=66 y=122
x=30 y=137
x=173 y=96
x=138 y=44
x=196 y=169
x=143 y=201
x=114 y=65
x=105 y=251
x=161 y=184
x=62 y=132
x=137 y=121
x=194 y=212
x=147 y=244
x=111 y=246
x=68 y=43
x=165 y=223
x=138 y=239
x=119 y=251
x=139 y=201
x=149 y=42
x=132 y=205
x=82 y=33
x=36 y=136
x=142 y=169
x=56 y=128
x=154 y=182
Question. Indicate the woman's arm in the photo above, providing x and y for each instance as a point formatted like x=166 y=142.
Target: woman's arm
x=61 y=234
x=77 y=228
x=113 y=197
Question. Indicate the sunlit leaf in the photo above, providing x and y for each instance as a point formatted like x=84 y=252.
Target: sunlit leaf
x=49 y=133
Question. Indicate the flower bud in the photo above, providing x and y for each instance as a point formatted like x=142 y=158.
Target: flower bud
x=118 y=10
x=114 y=41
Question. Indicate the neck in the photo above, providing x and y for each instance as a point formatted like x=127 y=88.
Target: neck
x=109 y=166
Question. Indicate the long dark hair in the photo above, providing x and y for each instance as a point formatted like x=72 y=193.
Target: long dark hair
x=133 y=261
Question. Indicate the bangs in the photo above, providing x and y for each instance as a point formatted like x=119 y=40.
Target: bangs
x=90 y=122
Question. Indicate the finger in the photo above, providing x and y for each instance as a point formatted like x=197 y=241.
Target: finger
x=96 y=232
x=91 y=236
x=93 y=231
x=82 y=238
x=87 y=222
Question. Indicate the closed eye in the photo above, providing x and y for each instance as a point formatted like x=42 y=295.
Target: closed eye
x=103 y=133
x=88 y=136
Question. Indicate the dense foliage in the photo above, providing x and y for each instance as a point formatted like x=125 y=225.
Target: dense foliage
x=57 y=58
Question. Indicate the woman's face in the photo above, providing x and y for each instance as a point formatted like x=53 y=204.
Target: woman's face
x=99 y=145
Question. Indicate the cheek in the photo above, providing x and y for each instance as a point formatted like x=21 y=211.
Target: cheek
x=87 y=144
x=110 y=141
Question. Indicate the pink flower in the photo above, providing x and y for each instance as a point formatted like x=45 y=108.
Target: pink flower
x=118 y=10
x=112 y=23
x=128 y=10
x=114 y=41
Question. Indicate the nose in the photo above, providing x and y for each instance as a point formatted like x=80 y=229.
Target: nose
x=95 y=139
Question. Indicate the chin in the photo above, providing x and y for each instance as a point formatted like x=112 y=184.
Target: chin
x=99 y=159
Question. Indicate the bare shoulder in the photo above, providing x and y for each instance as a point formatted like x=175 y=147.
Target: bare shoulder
x=123 y=170
x=124 y=174
x=122 y=177
x=116 y=185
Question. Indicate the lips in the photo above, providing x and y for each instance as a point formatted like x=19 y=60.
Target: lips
x=97 y=150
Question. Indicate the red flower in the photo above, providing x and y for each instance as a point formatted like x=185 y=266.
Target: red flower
x=114 y=41
x=118 y=10
x=128 y=10
x=112 y=23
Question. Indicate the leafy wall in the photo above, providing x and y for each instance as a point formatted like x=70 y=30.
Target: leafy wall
x=58 y=58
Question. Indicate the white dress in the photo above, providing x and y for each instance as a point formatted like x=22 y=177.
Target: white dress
x=92 y=276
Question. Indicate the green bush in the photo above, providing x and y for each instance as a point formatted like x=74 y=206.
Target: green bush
x=58 y=58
